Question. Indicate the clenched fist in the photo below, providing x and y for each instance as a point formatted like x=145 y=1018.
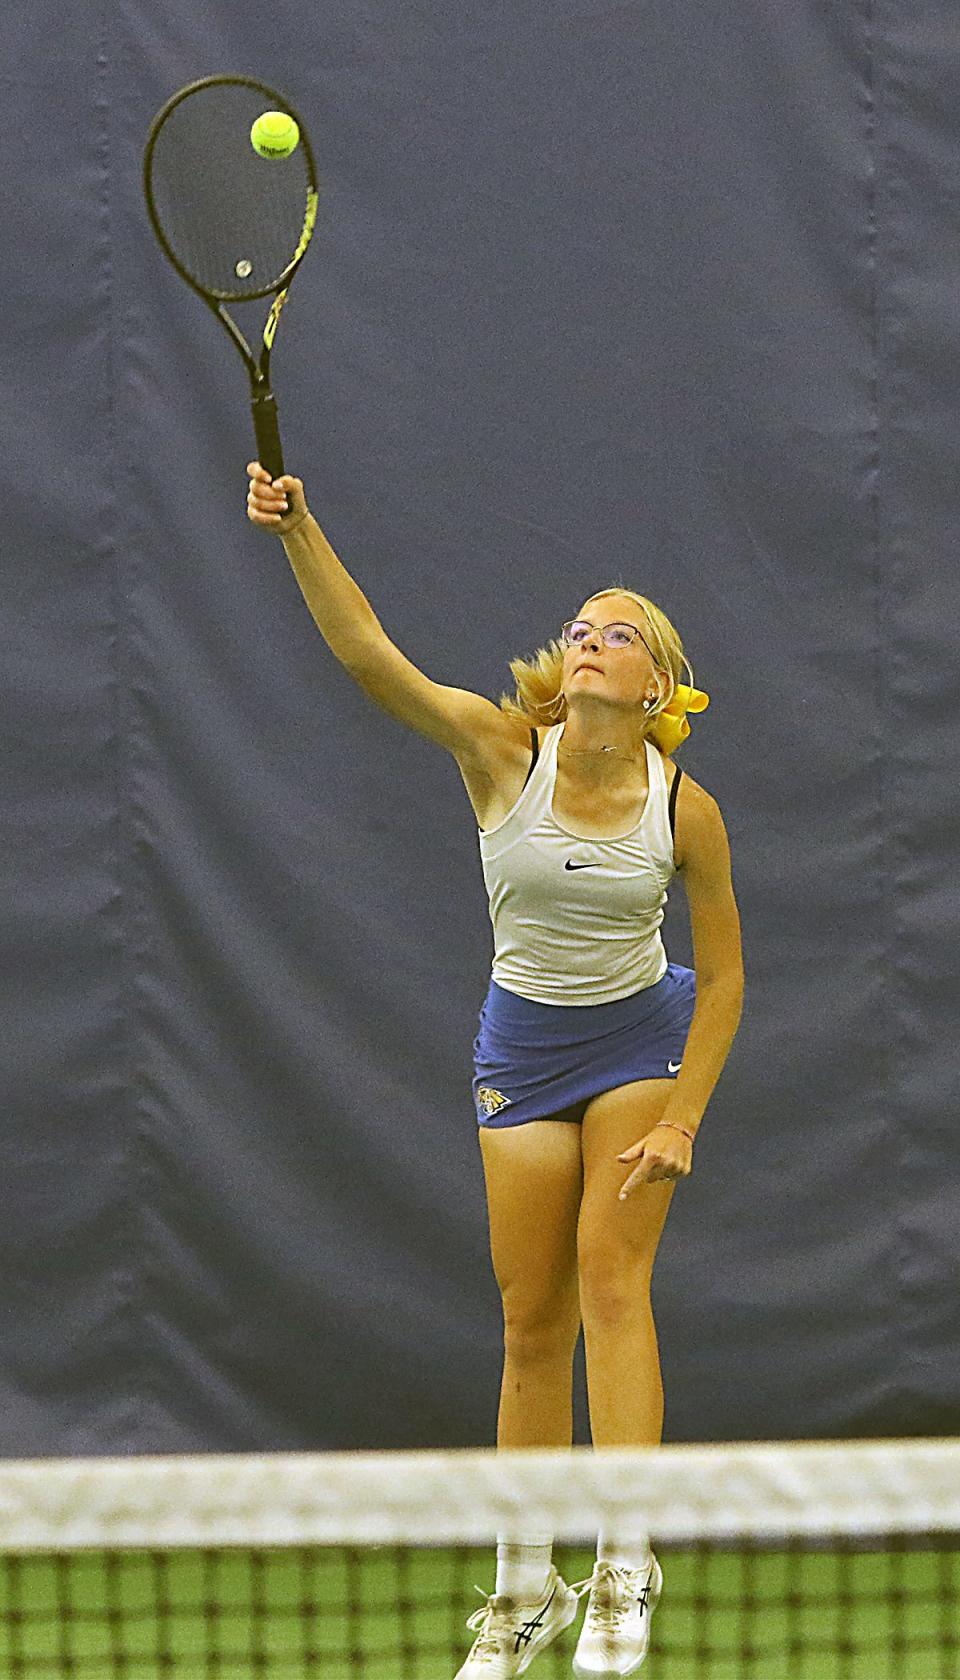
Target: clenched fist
x=277 y=505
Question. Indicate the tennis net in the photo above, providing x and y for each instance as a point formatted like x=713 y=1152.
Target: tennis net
x=804 y=1561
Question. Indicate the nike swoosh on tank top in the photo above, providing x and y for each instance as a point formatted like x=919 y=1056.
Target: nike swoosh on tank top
x=585 y=934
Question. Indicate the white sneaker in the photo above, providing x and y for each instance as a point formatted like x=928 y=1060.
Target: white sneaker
x=512 y=1632
x=616 y=1629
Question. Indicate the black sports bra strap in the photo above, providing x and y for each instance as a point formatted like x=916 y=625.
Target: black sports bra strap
x=536 y=752
x=672 y=807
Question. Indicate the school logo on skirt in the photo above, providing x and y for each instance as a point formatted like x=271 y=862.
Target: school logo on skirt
x=491 y=1101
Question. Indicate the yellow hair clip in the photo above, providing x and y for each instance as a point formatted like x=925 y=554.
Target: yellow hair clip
x=670 y=728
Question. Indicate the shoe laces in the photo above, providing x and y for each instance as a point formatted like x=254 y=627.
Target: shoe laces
x=612 y=1594
x=496 y=1617
x=493 y=1618
x=484 y=1622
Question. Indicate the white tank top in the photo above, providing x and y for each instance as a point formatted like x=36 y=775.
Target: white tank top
x=577 y=921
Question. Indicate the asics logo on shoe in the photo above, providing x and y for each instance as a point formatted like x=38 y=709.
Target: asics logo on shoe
x=643 y=1596
x=527 y=1631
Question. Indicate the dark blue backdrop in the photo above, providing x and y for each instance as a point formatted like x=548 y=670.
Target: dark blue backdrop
x=596 y=297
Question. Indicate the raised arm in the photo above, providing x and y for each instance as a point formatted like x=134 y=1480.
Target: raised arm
x=467 y=725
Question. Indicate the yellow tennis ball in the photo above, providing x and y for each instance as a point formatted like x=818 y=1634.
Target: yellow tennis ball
x=274 y=135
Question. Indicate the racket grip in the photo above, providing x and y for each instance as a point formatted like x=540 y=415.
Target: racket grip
x=269 y=451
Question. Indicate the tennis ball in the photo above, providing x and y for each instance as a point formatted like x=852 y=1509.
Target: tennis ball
x=274 y=135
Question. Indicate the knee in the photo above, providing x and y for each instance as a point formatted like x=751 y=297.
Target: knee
x=537 y=1331
x=614 y=1287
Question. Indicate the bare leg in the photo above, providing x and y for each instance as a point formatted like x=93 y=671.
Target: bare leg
x=534 y=1180
x=617 y=1246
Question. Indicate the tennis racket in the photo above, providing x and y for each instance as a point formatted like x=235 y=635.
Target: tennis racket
x=235 y=226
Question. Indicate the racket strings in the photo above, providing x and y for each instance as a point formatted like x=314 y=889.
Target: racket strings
x=232 y=220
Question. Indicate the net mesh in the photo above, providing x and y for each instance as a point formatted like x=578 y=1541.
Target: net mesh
x=792 y=1562
x=232 y=220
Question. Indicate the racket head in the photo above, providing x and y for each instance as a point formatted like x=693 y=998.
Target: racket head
x=234 y=225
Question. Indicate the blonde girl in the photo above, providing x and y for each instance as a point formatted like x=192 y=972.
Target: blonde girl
x=595 y=1056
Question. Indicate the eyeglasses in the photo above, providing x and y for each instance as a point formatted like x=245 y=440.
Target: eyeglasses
x=614 y=635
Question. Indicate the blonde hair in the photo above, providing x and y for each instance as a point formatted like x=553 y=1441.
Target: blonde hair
x=539 y=698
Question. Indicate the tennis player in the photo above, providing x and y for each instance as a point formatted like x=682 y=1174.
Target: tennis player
x=595 y=1057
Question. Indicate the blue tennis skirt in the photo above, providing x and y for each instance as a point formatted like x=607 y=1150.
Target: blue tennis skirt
x=545 y=1061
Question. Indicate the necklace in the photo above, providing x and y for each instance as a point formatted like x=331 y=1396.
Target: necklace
x=588 y=752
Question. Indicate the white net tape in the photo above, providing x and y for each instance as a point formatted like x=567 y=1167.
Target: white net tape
x=681 y=1493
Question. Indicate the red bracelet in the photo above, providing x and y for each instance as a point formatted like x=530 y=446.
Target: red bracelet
x=675 y=1128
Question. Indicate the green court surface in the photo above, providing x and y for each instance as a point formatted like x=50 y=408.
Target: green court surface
x=392 y=1613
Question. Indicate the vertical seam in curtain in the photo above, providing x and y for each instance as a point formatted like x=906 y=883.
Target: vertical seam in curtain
x=888 y=1034
x=127 y=1263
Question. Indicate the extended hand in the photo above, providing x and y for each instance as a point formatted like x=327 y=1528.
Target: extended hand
x=663 y=1155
